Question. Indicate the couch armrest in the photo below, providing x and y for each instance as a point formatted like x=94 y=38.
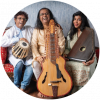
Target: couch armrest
x=3 y=53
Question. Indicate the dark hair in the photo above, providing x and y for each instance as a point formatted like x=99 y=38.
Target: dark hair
x=21 y=13
x=39 y=24
x=84 y=23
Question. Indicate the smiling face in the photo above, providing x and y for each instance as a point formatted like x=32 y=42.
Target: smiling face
x=20 y=21
x=44 y=16
x=77 y=22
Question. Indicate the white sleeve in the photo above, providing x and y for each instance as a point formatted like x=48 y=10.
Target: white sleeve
x=31 y=29
x=8 y=39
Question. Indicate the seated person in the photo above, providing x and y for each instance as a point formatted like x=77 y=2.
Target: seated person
x=11 y=37
x=79 y=71
x=38 y=40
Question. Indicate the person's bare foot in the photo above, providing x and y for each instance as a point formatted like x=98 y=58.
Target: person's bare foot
x=22 y=89
x=41 y=95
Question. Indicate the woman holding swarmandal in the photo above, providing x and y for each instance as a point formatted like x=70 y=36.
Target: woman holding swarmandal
x=79 y=71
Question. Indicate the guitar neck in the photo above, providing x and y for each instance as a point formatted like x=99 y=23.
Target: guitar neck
x=52 y=50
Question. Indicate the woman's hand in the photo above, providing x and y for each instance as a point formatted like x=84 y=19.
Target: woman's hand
x=24 y=40
x=89 y=62
x=40 y=59
x=65 y=56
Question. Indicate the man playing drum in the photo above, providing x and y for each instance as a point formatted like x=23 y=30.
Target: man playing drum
x=17 y=33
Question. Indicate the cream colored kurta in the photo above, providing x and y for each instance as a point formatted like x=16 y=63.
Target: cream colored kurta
x=38 y=42
x=79 y=72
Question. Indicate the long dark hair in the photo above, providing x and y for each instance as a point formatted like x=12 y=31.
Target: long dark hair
x=84 y=23
x=39 y=24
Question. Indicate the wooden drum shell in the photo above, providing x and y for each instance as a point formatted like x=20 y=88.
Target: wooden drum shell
x=20 y=49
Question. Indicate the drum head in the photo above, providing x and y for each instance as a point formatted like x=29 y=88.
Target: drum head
x=24 y=44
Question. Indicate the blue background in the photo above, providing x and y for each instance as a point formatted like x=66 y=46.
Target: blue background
x=63 y=13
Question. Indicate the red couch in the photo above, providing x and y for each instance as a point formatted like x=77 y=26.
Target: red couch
x=8 y=67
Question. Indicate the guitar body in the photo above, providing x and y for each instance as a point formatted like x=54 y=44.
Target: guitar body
x=49 y=75
x=54 y=80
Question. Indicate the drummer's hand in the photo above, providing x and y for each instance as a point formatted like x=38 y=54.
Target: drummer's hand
x=65 y=56
x=40 y=59
x=89 y=62
x=24 y=40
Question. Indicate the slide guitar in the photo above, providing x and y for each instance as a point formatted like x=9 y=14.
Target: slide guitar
x=54 y=80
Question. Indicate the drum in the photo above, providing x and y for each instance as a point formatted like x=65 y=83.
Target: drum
x=20 y=49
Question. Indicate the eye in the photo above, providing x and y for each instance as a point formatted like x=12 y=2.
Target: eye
x=41 y=14
x=25 y=19
x=47 y=13
x=74 y=18
x=19 y=18
x=79 y=19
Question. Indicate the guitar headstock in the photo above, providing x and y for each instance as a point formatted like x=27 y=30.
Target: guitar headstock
x=52 y=26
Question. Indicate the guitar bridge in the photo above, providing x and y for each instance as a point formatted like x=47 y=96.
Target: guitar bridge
x=55 y=81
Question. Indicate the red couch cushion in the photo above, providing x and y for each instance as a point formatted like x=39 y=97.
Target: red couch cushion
x=8 y=67
x=3 y=54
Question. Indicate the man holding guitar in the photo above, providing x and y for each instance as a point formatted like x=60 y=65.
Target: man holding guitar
x=39 y=43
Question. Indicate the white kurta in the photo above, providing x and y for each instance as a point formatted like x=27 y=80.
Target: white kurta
x=8 y=41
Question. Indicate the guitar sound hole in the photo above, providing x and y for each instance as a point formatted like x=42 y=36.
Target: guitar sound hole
x=59 y=74
x=44 y=78
x=82 y=49
x=63 y=78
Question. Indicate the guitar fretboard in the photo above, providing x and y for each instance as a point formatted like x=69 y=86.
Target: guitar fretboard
x=52 y=50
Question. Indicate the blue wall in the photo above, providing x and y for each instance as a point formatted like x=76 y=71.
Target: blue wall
x=63 y=13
